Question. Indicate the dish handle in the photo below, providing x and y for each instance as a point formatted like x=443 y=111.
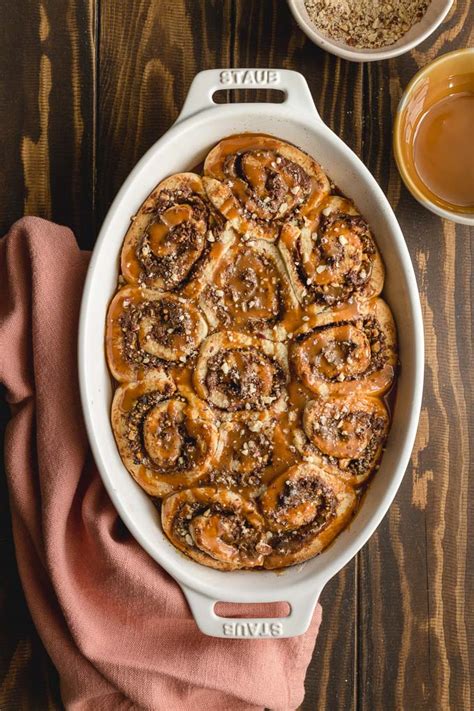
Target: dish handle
x=298 y=99
x=301 y=605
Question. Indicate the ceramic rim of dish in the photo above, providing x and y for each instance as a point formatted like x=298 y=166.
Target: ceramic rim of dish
x=462 y=218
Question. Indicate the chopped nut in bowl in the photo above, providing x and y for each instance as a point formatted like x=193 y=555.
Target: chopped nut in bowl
x=366 y=31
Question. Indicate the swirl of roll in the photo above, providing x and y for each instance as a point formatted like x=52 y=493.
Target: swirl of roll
x=304 y=508
x=245 y=450
x=238 y=372
x=215 y=527
x=166 y=436
x=253 y=448
x=347 y=351
x=258 y=182
x=173 y=236
x=147 y=330
x=334 y=259
x=344 y=435
x=248 y=289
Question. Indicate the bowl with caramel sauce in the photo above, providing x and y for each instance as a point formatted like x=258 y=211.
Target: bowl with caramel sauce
x=433 y=136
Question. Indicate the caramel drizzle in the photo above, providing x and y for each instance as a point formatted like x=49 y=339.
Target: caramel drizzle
x=227 y=530
x=246 y=379
x=180 y=232
x=344 y=351
x=266 y=187
x=257 y=458
x=249 y=292
x=347 y=432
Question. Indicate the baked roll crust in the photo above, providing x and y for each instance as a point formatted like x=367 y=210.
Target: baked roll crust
x=148 y=331
x=258 y=182
x=237 y=372
x=175 y=233
x=344 y=434
x=349 y=350
x=218 y=528
x=249 y=290
x=334 y=258
x=166 y=436
x=304 y=508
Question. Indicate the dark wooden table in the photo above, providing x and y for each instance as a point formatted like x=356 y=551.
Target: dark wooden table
x=86 y=86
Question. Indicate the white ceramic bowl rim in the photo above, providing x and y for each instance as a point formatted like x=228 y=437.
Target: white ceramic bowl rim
x=200 y=125
x=434 y=16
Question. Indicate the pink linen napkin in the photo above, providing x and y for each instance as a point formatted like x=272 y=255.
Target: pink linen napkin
x=116 y=626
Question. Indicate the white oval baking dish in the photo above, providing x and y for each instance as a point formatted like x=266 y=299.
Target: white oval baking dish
x=201 y=124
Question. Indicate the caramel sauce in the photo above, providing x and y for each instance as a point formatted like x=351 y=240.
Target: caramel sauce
x=208 y=532
x=158 y=231
x=236 y=456
x=433 y=133
x=443 y=150
x=129 y=263
x=254 y=166
x=183 y=377
x=284 y=452
x=230 y=210
x=131 y=394
x=298 y=395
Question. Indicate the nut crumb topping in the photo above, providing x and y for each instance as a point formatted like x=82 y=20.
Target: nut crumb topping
x=366 y=24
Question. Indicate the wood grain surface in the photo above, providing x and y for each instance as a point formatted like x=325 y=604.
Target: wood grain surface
x=86 y=86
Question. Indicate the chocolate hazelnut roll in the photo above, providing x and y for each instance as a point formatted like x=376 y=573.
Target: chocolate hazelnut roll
x=173 y=236
x=305 y=508
x=147 y=330
x=238 y=372
x=344 y=435
x=245 y=450
x=346 y=351
x=258 y=182
x=215 y=527
x=333 y=259
x=253 y=448
x=248 y=289
x=166 y=436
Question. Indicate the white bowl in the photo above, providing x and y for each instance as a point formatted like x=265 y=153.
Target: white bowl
x=434 y=16
x=201 y=125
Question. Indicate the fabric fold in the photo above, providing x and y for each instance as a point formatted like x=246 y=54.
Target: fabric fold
x=116 y=626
